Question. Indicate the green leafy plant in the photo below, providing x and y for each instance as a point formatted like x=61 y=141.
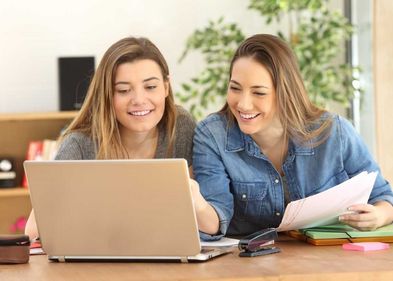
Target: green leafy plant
x=217 y=42
x=316 y=34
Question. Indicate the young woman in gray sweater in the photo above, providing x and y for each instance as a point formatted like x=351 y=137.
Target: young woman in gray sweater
x=129 y=112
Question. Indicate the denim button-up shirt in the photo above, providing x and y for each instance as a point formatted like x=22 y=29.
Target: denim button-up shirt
x=245 y=189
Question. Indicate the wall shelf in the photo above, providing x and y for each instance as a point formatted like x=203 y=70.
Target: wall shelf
x=14 y=192
x=18 y=130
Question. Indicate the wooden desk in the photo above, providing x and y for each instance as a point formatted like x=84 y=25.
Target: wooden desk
x=297 y=261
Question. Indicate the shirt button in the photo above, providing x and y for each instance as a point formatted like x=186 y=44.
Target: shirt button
x=244 y=196
x=276 y=181
x=278 y=214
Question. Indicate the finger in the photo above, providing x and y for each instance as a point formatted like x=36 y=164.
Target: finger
x=361 y=208
x=362 y=225
x=358 y=217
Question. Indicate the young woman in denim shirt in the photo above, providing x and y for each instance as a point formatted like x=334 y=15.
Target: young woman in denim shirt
x=270 y=145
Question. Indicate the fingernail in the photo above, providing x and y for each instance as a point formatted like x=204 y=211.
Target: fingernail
x=349 y=209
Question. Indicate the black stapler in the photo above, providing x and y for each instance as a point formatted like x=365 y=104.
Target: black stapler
x=259 y=243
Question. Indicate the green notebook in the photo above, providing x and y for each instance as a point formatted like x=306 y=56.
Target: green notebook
x=344 y=231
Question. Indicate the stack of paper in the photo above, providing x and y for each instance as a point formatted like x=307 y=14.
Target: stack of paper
x=222 y=243
x=324 y=208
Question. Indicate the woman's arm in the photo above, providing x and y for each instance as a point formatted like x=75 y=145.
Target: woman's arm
x=207 y=217
x=214 y=201
x=356 y=157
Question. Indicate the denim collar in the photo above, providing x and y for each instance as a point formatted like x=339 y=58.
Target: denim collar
x=236 y=141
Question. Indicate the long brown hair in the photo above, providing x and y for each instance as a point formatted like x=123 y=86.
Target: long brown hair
x=97 y=117
x=300 y=118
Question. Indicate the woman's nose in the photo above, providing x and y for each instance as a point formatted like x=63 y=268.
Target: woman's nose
x=245 y=102
x=137 y=97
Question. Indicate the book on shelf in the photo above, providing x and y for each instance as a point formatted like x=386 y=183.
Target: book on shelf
x=49 y=149
x=40 y=150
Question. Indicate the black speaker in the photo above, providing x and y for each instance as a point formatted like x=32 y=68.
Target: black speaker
x=75 y=74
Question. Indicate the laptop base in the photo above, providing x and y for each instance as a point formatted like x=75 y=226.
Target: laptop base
x=206 y=254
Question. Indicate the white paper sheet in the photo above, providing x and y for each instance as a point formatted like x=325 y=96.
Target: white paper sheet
x=223 y=242
x=325 y=207
x=37 y=251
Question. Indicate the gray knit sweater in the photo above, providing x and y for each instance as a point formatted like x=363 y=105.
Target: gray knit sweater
x=78 y=146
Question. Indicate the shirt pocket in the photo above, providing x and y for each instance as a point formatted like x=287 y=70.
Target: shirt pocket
x=248 y=199
x=330 y=182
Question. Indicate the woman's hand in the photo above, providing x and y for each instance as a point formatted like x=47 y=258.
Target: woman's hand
x=367 y=216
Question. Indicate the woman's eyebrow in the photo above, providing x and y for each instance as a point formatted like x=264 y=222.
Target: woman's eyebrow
x=144 y=80
x=122 y=83
x=253 y=87
x=257 y=87
x=150 y=78
x=235 y=82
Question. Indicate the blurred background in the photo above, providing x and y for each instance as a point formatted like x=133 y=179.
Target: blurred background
x=36 y=34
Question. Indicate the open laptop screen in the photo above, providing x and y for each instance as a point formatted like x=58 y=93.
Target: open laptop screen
x=114 y=207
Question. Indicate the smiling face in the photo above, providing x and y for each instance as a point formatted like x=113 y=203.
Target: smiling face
x=139 y=96
x=252 y=97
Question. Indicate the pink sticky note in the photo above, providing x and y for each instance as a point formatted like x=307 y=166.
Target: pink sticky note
x=365 y=246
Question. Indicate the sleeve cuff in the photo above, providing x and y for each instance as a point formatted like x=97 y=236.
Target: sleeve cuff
x=386 y=198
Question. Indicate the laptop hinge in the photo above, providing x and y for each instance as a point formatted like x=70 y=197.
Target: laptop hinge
x=61 y=258
x=183 y=259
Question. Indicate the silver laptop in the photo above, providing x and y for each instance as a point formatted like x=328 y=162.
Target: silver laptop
x=116 y=210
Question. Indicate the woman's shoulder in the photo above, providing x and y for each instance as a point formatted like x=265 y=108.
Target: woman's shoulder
x=341 y=127
x=214 y=121
x=76 y=146
x=339 y=122
x=184 y=117
x=185 y=123
x=336 y=119
x=327 y=119
x=77 y=137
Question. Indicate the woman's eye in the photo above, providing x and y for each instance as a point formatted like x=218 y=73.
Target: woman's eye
x=122 y=91
x=259 y=94
x=151 y=87
x=233 y=88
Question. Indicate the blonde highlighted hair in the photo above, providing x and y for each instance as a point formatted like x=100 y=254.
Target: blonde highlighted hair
x=300 y=118
x=97 y=118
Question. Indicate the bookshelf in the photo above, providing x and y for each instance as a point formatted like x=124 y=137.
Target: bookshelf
x=17 y=130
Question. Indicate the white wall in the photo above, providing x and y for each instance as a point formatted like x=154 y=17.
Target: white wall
x=35 y=33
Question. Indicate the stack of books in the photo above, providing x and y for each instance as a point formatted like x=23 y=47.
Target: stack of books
x=337 y=234
x=40 y=150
